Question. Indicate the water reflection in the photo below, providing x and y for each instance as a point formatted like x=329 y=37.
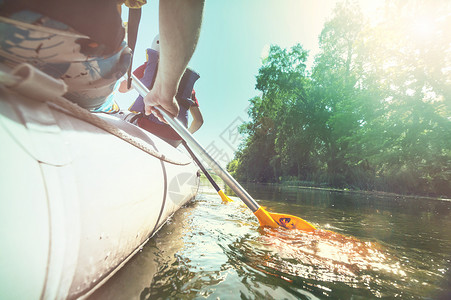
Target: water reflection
x=325 y=257
x=367 y=247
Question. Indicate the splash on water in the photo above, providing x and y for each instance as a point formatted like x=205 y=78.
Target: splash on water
x=324 y=255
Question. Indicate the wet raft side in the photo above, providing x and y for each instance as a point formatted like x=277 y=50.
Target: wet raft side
x=76 y=201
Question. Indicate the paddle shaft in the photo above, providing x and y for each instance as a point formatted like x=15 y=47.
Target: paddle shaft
x=193 y=144
x=213 y=183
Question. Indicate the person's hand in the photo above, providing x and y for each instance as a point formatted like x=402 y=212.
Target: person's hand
x=162 y=97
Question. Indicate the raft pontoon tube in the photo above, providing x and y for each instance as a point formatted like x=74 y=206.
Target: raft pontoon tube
x=80 y=193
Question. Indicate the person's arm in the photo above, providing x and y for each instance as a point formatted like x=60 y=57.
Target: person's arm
x=198 y=120
x=180 y=22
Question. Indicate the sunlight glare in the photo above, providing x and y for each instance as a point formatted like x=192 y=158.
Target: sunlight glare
x=265 y=52
x=423 y=27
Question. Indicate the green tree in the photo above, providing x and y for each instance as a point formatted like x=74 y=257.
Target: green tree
x=336 y=76
x=283 y=108
x=408 y=137
x=374 y=113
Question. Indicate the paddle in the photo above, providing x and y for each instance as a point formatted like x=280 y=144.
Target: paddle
x=265 y=218
x=223 y=196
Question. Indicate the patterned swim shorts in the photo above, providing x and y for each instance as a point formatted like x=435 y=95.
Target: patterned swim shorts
x=63 y=53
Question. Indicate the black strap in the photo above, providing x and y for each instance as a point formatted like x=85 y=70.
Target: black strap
x=134 y=16
x=213 y=183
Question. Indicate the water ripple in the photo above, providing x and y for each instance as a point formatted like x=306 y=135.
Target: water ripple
x=217 y=251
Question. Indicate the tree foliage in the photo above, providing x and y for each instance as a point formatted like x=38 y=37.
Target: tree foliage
x=374 y=113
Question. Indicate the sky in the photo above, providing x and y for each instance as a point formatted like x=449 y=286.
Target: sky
x=235 y=34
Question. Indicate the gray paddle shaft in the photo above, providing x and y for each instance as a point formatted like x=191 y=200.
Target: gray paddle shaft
x=191 y=141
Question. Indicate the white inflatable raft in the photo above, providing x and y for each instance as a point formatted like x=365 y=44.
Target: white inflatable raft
x=76 y=201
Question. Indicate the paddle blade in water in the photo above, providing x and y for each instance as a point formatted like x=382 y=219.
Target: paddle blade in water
x=265 y=219
x=292 y=222
x=275 y=220
x=223 y=196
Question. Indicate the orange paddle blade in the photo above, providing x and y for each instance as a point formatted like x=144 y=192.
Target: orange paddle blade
x=223 y=196
x=265 y=219
x=292 y=222
x=275 y=220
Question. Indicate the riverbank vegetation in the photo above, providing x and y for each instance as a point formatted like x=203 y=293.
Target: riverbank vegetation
x=373 y=113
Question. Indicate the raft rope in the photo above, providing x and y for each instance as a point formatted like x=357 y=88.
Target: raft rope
x=18 y=81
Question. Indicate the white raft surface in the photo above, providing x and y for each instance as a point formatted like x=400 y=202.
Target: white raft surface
x=76 y=202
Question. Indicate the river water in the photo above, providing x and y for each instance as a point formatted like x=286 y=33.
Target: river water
x=367 y=247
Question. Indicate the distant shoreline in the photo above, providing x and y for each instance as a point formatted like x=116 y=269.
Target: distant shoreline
x=330 y=189
x=337 y=190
